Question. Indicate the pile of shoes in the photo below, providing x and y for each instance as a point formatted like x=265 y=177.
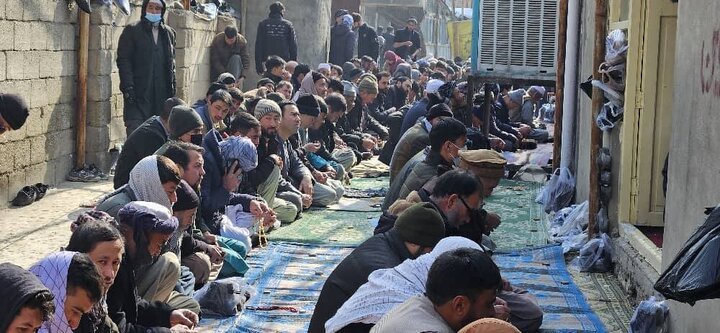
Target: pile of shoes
x=87 y=174
x=30 y=194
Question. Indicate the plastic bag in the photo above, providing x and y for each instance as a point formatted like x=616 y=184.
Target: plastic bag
x=224 y=297
x=571 y=233
x=616 y=47
x=596 y=255
x=650 y=317
x=558 y=192
x=694 y=274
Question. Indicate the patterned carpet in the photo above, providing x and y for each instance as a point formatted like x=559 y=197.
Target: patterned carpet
x=542 y=272
x=522 y=219
x=323 y=226
x=290 y=276
x=607 y=298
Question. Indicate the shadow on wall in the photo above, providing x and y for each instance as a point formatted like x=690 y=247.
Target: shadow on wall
x=38 y=61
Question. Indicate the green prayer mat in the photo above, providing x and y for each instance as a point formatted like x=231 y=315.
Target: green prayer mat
x=522 y=223
x=374 y=183
x=323 y=226
x=606 y=297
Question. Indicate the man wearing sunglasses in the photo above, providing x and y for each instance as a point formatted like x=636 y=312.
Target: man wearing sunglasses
x=13 y=112
x=457 y=195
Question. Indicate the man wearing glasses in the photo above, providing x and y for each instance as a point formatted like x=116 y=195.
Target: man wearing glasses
x=13 y=112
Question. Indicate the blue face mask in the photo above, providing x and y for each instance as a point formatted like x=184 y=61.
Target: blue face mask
x=153 y=18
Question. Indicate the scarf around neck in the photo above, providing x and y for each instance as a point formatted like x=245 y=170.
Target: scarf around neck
x=145 y=182
x=387 y=288
x=52 y=272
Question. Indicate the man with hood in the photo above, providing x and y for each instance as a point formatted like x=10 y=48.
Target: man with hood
x=145 y=226
x=146 y=63
x=275 y=36
x=342 y=41
x=28 y=302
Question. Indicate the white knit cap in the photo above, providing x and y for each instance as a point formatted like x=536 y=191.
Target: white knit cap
x=433 y=85
x=157 y=2
x=324 y=66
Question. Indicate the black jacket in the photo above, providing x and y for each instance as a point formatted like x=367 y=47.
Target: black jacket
x=275 y=36
x=130 y=312
x=143 y=142
x=384 y=250
x=342 y=44
x=396 y=98
x=135 y=66
x=368 y=42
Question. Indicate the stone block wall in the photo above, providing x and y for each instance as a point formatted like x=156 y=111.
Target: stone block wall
x=38 y=61
x=192 y=57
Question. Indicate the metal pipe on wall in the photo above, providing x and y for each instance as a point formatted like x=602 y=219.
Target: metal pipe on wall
x=571 y=84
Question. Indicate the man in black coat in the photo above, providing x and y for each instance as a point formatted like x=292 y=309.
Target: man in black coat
x=146 y=63
x=367 y=38
x=275 y=36
x=416 y=232
x=408 y=41
x=146 y=140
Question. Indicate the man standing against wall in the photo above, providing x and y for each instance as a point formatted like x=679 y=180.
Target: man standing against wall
x=228 y=54
x=408 y=42
x=275 y=36
x=146 y=63
x=367 y=38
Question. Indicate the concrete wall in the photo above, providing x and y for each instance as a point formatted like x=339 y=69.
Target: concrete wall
x=693 y=173
x=38 y=62
x=311 y=19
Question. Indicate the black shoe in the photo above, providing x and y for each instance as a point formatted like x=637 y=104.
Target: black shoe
x=84 y=5
x=40 y=190
x=26 y=196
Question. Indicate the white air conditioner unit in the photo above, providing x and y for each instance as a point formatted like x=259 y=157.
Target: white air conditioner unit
x=518 y=39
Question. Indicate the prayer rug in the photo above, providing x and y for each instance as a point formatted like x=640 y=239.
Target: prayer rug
x=288 y=278
x=606 y=297
x=324 y=226
x=522 y=220
x=543 y=273
x=375 y=183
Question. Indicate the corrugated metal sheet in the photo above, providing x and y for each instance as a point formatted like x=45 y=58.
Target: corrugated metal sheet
x=518 y=38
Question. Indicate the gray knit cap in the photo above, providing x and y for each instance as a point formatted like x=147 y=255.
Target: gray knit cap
x=183 y=119
x=516 y=96
x=266 y=106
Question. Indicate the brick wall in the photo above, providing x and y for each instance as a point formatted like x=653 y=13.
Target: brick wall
x=38 y=60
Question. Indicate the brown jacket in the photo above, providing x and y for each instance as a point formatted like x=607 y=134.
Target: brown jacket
x=220 y=53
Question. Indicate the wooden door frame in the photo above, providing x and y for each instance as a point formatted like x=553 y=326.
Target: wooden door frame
x=627 y=194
